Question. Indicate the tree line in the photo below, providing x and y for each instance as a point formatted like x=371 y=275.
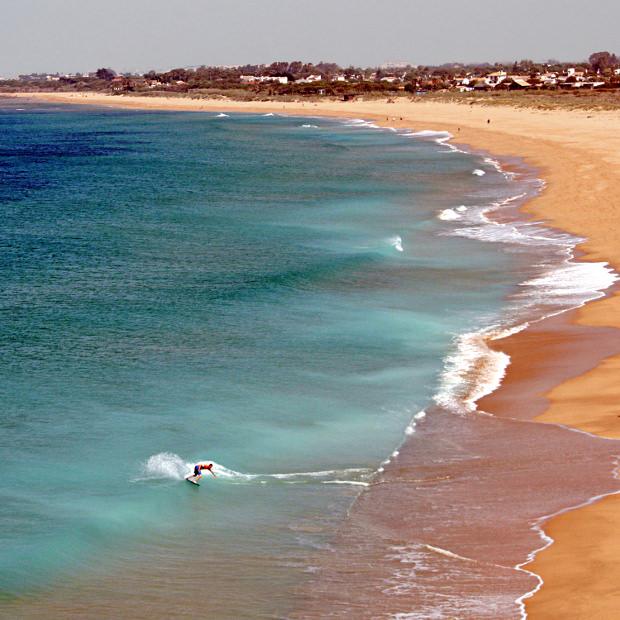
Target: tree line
x=357 y=79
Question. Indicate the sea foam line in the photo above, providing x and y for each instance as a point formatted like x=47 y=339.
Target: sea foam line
x=472 y=351
x=537 y=526
x=473 y=369
x=571 y=284
x=404 y=553
x=472 y=347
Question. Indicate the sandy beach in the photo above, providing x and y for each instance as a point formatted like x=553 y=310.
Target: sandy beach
x=567 y=367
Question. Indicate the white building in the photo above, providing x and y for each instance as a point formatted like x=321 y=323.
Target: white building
x=495 y=78
x=310 y=79
x=259 y=79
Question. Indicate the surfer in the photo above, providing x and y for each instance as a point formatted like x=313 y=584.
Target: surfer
x=199 y=467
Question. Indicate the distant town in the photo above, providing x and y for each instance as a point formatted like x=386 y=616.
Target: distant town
x=600 y=72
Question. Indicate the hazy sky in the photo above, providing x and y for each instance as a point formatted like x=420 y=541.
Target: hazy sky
x=82 y=35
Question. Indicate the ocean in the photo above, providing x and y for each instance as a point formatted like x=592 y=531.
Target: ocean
x=285 y=297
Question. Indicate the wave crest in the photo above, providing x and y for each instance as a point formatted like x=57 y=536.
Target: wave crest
x=397 y=243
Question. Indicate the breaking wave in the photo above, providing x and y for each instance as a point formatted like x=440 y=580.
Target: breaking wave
x=360 y=122
x=473 y=370
x=438 y=136
x=397 y=243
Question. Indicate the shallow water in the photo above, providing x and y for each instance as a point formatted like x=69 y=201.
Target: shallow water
x=274 y=294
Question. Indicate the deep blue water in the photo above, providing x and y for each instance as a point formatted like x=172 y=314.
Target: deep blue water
x=180 y=287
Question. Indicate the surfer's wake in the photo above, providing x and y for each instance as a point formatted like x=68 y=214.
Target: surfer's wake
x=169 y=466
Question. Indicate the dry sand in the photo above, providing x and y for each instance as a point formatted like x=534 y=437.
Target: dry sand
x=578 y=154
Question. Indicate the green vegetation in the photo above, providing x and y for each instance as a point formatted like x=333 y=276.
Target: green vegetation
x=539 y=100
x=595 y=83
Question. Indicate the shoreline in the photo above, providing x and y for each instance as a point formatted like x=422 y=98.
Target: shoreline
x=579 y=169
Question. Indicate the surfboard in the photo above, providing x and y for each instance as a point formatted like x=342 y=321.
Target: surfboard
x=190 y=479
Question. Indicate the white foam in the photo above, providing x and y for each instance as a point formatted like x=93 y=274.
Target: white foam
x=478 y=172
x=269 y=114
x=411 y=427
x=430 y=133
x=318 y=474
x=537 y=526
x=230 y=474
x=570 y=283
x=451 y=147
x=482 y=228
x=472 y=371
x=415 y=560
x=494 y=163
x=170 y=466
x=449 y=554
x=222 y=115
x=397 y=243
x=306 y=126
x=165 y=465
x=449 y=215
x=361 y=123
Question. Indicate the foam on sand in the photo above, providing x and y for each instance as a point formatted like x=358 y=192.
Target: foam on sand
x=571 y=284
x=472 y=371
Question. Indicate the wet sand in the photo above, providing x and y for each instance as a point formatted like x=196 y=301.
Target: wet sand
x=552 y=363
x=443 y=531
x=478 y=497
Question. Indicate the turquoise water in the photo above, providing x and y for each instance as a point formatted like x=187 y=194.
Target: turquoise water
x=178 y=287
